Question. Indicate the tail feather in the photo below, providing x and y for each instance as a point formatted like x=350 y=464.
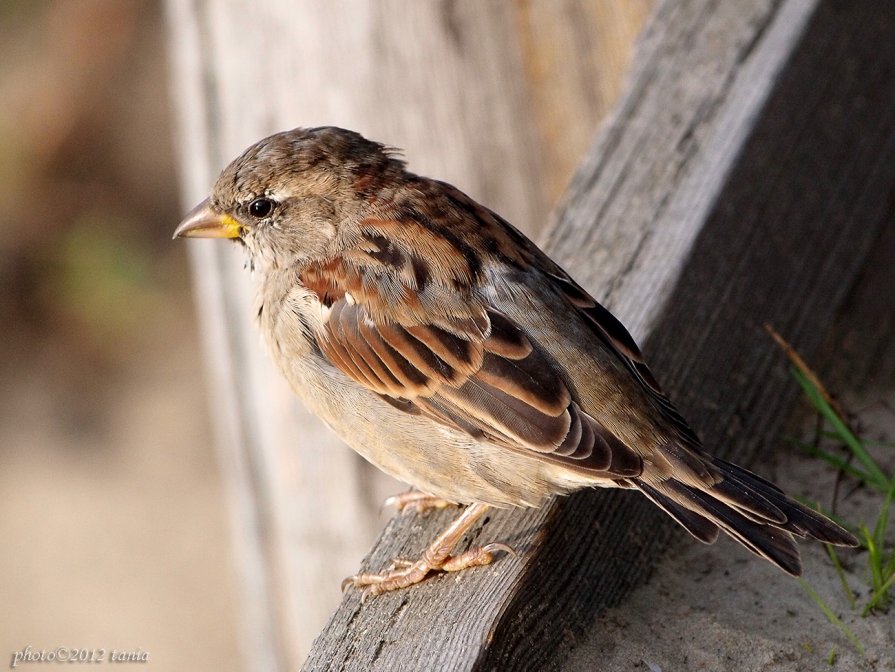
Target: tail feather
x=766 y=540
x=801 y=520
x=747 y=500
x=701 y=528
x=750 y=509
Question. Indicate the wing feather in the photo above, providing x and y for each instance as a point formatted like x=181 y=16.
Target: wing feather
x=613 y=333
x=468 y=366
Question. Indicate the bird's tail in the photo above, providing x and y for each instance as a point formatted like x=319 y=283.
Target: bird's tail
x=750 y=509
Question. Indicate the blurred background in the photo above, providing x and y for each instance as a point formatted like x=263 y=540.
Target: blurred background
x=114 y=520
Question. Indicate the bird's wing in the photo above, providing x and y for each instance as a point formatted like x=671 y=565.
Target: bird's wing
x=397 y=322
x=404 y=315
x=614 y=335
x=515 y=249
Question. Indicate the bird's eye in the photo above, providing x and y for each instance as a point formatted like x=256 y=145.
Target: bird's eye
x=261 y=207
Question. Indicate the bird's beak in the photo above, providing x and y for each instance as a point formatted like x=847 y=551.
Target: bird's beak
x=204 y=222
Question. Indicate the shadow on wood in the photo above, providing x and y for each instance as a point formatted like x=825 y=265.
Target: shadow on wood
x=744 y=177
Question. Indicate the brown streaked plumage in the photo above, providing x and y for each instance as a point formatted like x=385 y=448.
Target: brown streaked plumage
x=447 y=349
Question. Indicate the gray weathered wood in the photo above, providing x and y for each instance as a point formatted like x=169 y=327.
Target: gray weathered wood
x=498 y=98
x=742 y=180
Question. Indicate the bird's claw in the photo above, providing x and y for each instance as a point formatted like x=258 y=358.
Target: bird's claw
x=403 y=573
x=418 y=501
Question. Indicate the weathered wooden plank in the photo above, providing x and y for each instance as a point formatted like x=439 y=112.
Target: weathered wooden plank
x=491 y=96
x=742 y=179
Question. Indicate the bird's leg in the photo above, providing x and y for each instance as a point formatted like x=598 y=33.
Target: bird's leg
x=437 y=557
x=418 y=500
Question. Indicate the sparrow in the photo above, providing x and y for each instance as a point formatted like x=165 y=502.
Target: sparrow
x=447 y=349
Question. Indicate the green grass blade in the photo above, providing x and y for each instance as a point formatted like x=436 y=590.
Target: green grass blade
x=889 y=567
x=832 y=617
x=845 y=434
x=882 y=523
x=874 y=559
x=840 y=572
x=839 y=463
x=880 y=596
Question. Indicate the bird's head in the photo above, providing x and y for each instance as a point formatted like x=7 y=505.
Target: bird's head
x=287 y=197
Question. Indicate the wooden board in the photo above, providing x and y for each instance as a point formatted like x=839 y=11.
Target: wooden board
x=743 y=179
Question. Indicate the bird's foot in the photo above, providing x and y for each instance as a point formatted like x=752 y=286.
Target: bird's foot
x=418 y=501
x=436 y=558
x=404 y=573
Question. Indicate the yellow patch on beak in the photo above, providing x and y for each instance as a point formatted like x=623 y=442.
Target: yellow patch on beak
x=204 y=222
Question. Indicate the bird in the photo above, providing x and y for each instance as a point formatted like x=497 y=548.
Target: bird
x=447 y=349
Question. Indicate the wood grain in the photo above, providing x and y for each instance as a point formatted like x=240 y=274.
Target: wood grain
x=743 y=178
